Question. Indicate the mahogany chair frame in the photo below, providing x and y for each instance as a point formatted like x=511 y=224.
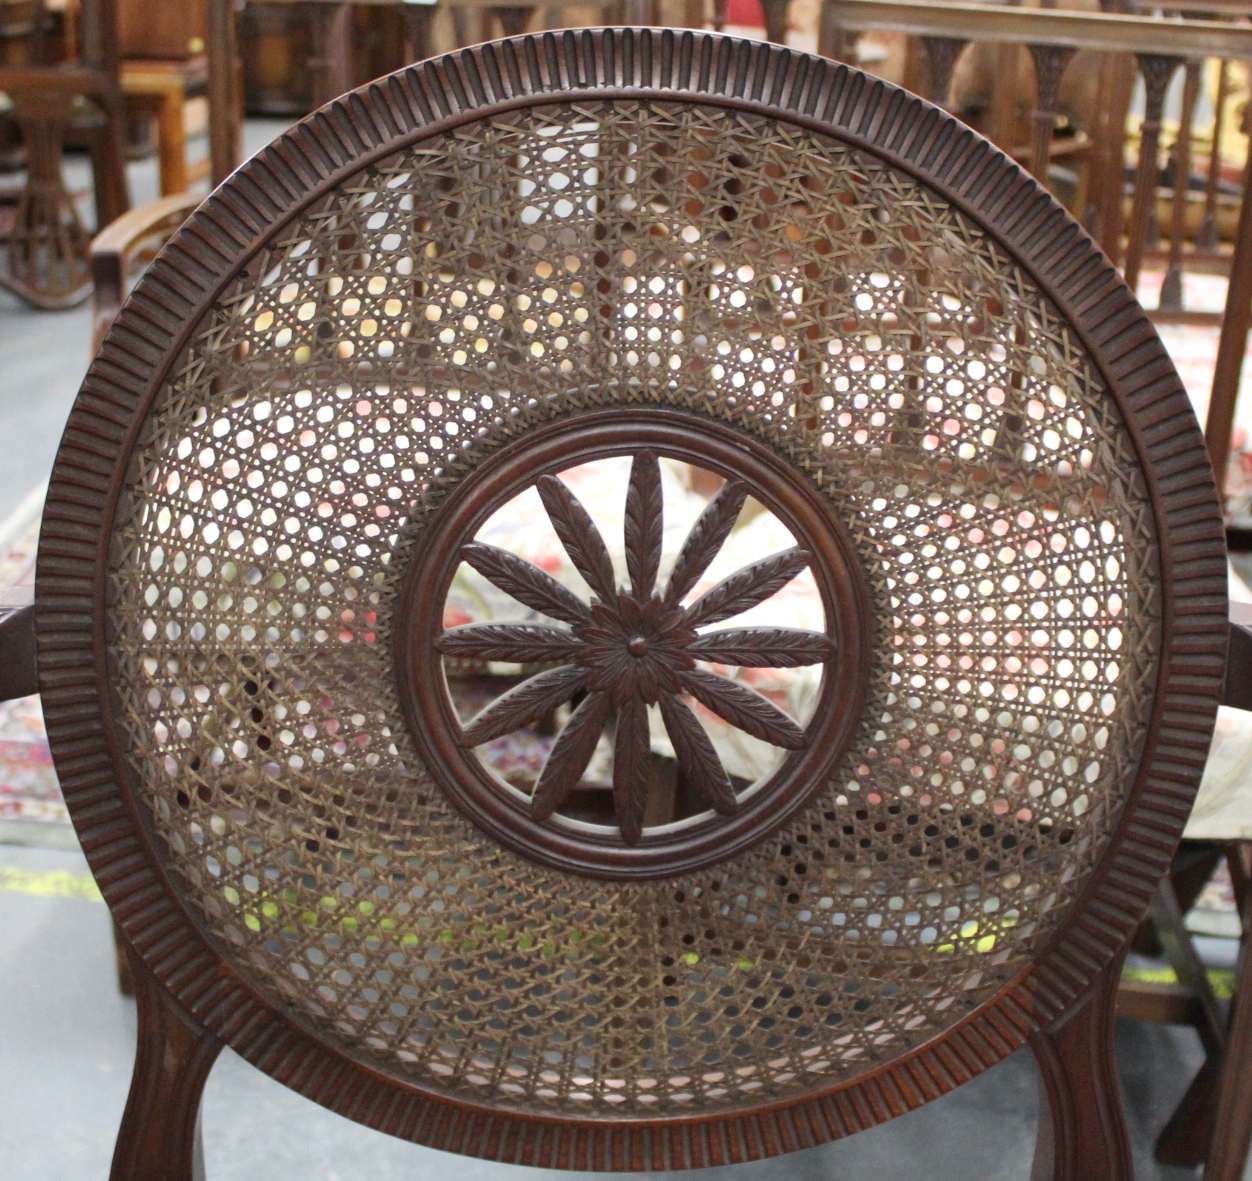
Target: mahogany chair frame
x=1212 y=1125
x=193 y=999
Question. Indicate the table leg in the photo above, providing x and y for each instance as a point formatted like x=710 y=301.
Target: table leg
x=47 y=249
x=513 y=18
x=225 y=94
x=172 y=145
x=416 y=32
x=776 y=20
x=332 y=51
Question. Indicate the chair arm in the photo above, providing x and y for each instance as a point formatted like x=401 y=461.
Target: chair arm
x=18 y=674
x=115 y=246
x=1237 y=691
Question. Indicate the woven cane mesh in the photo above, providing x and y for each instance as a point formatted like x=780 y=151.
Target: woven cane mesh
x=444 y=302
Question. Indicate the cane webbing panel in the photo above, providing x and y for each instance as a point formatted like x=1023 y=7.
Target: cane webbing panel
x=633 y=253
x=869 y=293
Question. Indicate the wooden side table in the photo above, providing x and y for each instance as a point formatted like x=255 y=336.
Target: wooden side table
x=161 y=88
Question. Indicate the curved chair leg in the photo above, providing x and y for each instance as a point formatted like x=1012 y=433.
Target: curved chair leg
x=1232 y=1121
x=1082 y=1129
x=160 y=1135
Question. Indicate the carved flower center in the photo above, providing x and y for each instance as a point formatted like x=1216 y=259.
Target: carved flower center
x=638 y=646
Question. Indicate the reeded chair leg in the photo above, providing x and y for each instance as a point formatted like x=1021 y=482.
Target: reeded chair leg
x=1082 y=1128
x=160 y=1135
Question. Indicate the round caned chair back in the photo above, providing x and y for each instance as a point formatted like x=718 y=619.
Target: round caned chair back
x=629 y=599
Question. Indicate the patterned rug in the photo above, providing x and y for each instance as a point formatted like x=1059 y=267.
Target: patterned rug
x=28 y=785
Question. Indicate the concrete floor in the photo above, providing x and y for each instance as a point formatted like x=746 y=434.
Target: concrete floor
x=67 y=1037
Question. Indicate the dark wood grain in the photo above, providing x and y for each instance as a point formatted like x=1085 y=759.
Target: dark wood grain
x=696 y=756
x=526 y=583
x=1232 y=1118
x=762 y=647
x=160 y=1133
x=1082 y=1131
x=19 y=675
x=632 y=768
x=1237 y=689
x=645 y=524
x=705 y=540
x=746 y=588
x=666 y=66
x=580 y=537
x=521 y=643
x=570 y=755
x=527 y=702
x=636 y=651
x=744 y=708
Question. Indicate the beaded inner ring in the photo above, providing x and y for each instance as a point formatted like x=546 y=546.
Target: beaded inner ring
x=267 y=476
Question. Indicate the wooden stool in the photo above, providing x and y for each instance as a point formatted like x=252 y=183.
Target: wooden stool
x=162 y=88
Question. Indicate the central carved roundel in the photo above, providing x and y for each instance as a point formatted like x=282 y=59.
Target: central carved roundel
x=605 y=657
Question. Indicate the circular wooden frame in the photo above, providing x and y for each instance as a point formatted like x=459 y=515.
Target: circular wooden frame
x=89 y=483
x=581 y=439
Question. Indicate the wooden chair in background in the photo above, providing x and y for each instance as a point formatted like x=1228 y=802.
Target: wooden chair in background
x=1213 y=1123
x=121 y=251
x=46 y=247
x=1160 y=48
x=47 y=244
x=479 y=20
x=332 y=59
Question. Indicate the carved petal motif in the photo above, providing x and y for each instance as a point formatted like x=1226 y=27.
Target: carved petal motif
x=632 y=768
x=746 y=588
x=706 y=538
x=762 y=647
x=697 y=756
x=525 y=582
x=570 y=755
x=525 y=703
x=634 y=648
x=645 y=525
x=520 y=643
x=579 y=536
x=743 y=708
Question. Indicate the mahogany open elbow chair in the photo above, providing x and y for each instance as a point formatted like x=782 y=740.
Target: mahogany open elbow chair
x=466 y=280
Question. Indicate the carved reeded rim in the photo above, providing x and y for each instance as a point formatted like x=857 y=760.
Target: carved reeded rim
x=649 y=64
x=558 y=446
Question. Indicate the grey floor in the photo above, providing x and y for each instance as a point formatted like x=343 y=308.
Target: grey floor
x=67 y=1037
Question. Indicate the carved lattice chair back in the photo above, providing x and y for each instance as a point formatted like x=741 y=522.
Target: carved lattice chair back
x=629 y=600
